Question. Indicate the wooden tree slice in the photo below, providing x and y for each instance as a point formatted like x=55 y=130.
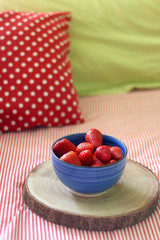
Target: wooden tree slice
x=130 y=201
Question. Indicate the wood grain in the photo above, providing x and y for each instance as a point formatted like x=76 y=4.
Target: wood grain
x=130 y=201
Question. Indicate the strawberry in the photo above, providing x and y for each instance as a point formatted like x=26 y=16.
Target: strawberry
x=103 y=153
x=112 y=161
x=116 y=153
x=71 y=157
x=85 y=157
x=84 y=146
x=63 y=146
x=94 y=136
x=96 y=162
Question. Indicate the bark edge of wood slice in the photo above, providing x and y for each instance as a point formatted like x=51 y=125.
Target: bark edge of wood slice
x=47 y=197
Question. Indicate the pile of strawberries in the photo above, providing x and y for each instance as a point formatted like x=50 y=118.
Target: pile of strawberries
x=90 y=153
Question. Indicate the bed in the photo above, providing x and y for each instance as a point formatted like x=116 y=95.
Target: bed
x=119 y=95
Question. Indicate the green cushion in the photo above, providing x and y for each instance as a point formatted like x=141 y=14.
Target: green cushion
x=115 y=45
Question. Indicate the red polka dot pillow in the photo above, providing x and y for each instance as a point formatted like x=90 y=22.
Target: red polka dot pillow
x=36 y=87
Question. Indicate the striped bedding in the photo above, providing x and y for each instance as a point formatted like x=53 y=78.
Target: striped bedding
x=133 y=117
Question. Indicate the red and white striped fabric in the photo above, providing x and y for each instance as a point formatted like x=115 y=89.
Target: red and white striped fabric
x=132 y=117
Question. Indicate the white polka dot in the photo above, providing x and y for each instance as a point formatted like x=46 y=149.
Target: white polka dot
x=44 y=35
x=74 y=103
x=29 y=59
x=69 y=96
x=31 y=81
x=20 y=118
x=20 y=32
x=15 y=48
x=26 y=28
x=55 y=71
x=13 y=122
x=24 y=75
x=58 y=95
x=34 y=43
x=51 y=88
x=50 y=76
x=17 y=70
x=43 y=70
x=3 y=59
x=45 y=119
x=45 y=93
x=4 y=70
x=26 y=124
x=46 y=44
x=63 y=114
x=41 y=59
x=47 y=55
x=59 y=67
x=61 y=78
x=52 y=50
x=74 y=115
x=5 y=128
x=38 y=87
x=21 y=43
x=36 y=64
x=27 y=112
x=40 y=49
x=52 y=100
x=33 y=119
x=3 y=48
x=8 y=32
x=10 y=64
x=40 y=112
x=44 y=81
x=33 y=105
x=33 y=33
x=5 y=82
x=12 y=87
x=32 y=93
x=16 y=59
x=22 y=54
x=1 y=99
x=13 y=99
x=37 y=75
x=63 y=89
x=39 y=39
x=6 y=94
x=30 y=70
x=23 y=64
x=7 y=105
x=56 y=83
x=64 y=102
x=51 y=113
x=19 y=93
x=69 y=109
x=20 y=105
x=14 y=28
x=56 y=119
x=26 y=99
x=48 y=65
x=46 y=106
x=67 y=121
x=14 y=111
x=58 y=107
x=14 y=37
x=39 y=100
x=8 y=42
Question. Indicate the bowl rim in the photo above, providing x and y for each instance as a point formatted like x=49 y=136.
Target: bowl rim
x=85 y=167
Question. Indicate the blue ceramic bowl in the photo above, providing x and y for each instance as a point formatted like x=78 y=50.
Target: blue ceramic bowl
x=89 y=181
